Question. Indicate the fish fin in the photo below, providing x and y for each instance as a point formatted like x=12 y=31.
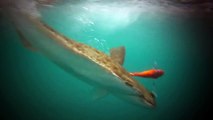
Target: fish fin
x=24 y=41
x=155 y=66
x=46 y=3
x=118 y=54
x=154 y=94
x=99 y=93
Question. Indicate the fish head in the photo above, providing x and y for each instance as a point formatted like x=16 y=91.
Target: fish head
x=158 y=73
x=148 y=99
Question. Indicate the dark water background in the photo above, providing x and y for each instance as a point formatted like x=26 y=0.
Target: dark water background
x=33 y=88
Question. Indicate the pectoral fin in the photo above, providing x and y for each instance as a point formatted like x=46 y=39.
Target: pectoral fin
x=99 y=93
x=24 y=41
x=118 y=54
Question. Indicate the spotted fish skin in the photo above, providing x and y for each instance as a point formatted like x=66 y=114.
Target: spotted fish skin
x=94 y=55
x=113 y=70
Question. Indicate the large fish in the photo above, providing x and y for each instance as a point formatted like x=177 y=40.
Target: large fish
x=102 y=71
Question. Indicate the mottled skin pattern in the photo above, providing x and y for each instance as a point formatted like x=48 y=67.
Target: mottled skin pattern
x=96 y=56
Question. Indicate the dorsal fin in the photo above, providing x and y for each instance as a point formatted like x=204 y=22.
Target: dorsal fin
x=118 y=54
x=24 y=41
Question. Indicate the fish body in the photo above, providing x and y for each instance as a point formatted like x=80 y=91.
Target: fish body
x=102 y=71
x=152 y=73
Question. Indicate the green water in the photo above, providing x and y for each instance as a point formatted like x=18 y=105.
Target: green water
x=33 y=88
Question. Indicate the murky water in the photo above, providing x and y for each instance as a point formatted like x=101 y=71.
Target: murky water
x=35 y=88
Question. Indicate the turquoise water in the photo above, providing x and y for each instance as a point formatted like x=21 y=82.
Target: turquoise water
x=35 y=88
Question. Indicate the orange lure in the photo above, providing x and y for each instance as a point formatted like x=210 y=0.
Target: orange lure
x=153 y=73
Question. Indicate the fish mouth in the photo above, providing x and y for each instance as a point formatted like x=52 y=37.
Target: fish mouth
x=149 y=101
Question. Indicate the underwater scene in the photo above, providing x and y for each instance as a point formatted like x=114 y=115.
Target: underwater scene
x=37 y=83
